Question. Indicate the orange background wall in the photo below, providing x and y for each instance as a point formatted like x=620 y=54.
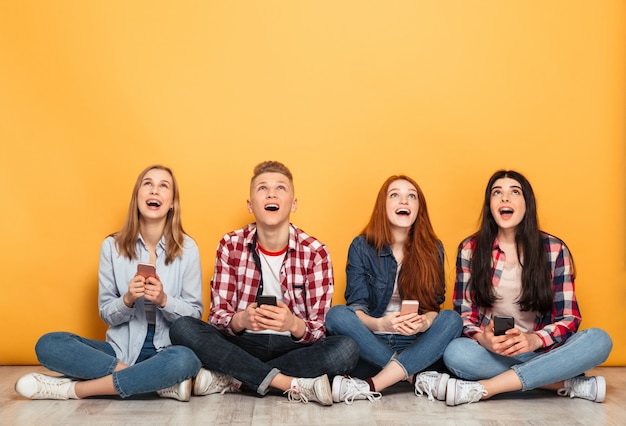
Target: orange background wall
x=345 y=93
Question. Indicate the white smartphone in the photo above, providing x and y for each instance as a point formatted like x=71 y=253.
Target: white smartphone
x=409 y=307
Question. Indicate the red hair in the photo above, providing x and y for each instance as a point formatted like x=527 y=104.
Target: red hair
x=421 y=275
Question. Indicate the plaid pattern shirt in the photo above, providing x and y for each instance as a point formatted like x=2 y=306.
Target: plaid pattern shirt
x=554 y=327
x=306 y=279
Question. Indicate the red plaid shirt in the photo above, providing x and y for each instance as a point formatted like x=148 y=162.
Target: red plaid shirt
x=306 y=279
x=554 y=327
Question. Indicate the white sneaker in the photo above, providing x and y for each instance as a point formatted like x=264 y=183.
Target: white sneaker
x=305 y=390
x=462 y=392
x=41 y=386
x=431 y=383
x=180 y=391
x=348 y=389
x=592 y=388
x=208 y=382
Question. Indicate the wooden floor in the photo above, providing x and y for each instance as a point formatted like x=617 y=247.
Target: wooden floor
x=399 y=406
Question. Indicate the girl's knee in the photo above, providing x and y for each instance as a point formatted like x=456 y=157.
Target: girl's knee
x=451 y=317
x=50 y=342
x=334 y=317
x=457 y=347
x=602 y=340
x=186 y=359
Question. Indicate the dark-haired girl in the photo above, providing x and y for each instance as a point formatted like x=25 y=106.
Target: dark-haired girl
x=511 y=268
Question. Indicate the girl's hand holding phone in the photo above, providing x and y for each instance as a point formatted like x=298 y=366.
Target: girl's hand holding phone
x=136 y=289
x=153 y=292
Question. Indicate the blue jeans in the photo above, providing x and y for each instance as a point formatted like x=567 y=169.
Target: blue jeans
x=86 y=359
x=255 y=359
x=413 y=353
x=467 y=359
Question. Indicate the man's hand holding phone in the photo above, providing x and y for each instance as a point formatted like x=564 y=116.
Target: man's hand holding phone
x=276 y=316
x=251 y=318
x=268 y=311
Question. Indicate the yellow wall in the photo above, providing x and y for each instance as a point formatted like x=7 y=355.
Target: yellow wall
x=345 y=93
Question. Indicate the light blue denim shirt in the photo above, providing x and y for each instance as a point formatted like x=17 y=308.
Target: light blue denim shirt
x=182 y=282
x=371 y=277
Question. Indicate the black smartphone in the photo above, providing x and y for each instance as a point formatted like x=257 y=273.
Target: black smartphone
x=266 y=300
x=502 y=323
x=146 y=270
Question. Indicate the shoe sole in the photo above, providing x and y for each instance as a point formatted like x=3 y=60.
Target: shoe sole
x=336 y=387
x=442 y=388
x=198 y=385
x=600 y=389
x=451 y=392
x=185 y=391
x=202 y=382
x=325 y=392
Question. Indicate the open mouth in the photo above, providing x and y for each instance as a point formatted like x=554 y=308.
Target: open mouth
x=153 y=203
x=271 y=207
x=505 y=212
x=403 y=212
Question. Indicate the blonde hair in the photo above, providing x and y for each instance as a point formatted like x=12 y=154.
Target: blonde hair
x=126 y=238
x=271 y=167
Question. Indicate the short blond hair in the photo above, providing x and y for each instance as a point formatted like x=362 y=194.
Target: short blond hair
x=271 y=167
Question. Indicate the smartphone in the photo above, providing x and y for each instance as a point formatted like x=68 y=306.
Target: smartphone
x=146 y=270
x=266 y=300
x=502 y=323
x=409 y=307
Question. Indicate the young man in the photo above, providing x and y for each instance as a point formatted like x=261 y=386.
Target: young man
x=263 y=345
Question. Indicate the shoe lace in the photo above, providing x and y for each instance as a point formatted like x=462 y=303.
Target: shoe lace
x=48 y=388
x=472 y=393
x=299 y=394
x=225 y=383
x=578 y=387
x=353 y=390
x=424 y=384
x=229 y=388
x=172 y=390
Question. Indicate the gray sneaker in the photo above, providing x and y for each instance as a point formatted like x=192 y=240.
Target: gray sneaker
x=41 y=386
x=305 y=390
x=180 y=391
x=431 y=383
x=208 y=382
x=592 y=388
x=349 y=388
x=462 y=392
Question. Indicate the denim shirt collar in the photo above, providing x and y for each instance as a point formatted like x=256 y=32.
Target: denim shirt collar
x=160 y=247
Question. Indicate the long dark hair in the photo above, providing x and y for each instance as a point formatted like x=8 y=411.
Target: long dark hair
x=420 y=277
x=536 y=294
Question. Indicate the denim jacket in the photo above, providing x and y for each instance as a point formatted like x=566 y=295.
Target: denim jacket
x=371 y=277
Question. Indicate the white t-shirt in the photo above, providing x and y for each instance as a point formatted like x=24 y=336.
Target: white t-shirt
x=271 y=266
x=508 y=292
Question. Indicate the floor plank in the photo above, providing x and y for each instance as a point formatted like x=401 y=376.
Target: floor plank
x=399 y=406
